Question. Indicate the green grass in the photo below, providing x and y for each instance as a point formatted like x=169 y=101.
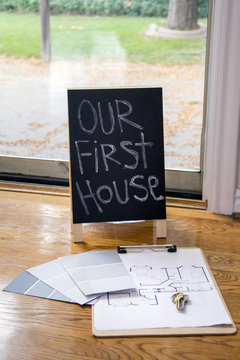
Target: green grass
x=20 y=35
x=76 y=37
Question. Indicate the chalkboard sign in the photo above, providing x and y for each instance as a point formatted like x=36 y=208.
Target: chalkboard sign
x=116 y=154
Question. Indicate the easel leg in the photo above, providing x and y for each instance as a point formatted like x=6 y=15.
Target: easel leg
x=161 y=226
x=77 y=233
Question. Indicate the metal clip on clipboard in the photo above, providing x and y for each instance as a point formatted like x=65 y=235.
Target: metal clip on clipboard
x=139 y=248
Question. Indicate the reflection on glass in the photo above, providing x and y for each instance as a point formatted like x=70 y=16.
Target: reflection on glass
x=101 y=52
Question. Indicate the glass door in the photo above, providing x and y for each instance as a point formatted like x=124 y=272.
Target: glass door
x=99 y=48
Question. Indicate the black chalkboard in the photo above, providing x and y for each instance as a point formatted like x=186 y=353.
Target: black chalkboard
x=116 y=154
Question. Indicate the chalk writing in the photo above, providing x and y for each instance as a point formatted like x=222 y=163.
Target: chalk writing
x=108 y=153
x=105 y=193
x=114 y=150
x=91 y=112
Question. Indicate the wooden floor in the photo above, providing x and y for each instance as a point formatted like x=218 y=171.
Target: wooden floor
x=36 y=228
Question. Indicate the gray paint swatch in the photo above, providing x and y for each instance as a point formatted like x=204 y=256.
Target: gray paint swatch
x=53 y=274
x=97 y=272
x=28 y=284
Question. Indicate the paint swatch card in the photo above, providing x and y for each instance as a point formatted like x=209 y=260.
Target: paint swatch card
x=97 y=272
x=53 y=274
x=28 y=284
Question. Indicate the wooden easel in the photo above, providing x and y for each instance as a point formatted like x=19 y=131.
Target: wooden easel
x=161 y=230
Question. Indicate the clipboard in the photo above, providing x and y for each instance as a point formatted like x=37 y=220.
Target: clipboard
x=168 y=330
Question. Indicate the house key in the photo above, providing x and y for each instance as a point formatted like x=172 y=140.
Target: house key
x=180 y=299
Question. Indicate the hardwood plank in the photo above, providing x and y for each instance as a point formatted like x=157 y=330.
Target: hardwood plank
x=36 y=228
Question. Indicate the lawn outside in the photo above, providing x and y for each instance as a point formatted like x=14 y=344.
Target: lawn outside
x=73 y=37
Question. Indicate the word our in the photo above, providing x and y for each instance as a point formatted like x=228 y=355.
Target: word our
x=89 y=118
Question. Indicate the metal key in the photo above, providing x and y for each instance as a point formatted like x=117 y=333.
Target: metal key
x=180 y=299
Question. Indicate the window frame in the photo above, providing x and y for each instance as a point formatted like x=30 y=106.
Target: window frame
x=179 y=183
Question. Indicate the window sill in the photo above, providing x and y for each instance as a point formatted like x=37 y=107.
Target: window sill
x=64 y=191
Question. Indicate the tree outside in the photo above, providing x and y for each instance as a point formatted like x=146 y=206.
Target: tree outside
x=182 y=15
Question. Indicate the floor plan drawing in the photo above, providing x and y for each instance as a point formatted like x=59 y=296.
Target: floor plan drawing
x=152 y=281
x=158 y=276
